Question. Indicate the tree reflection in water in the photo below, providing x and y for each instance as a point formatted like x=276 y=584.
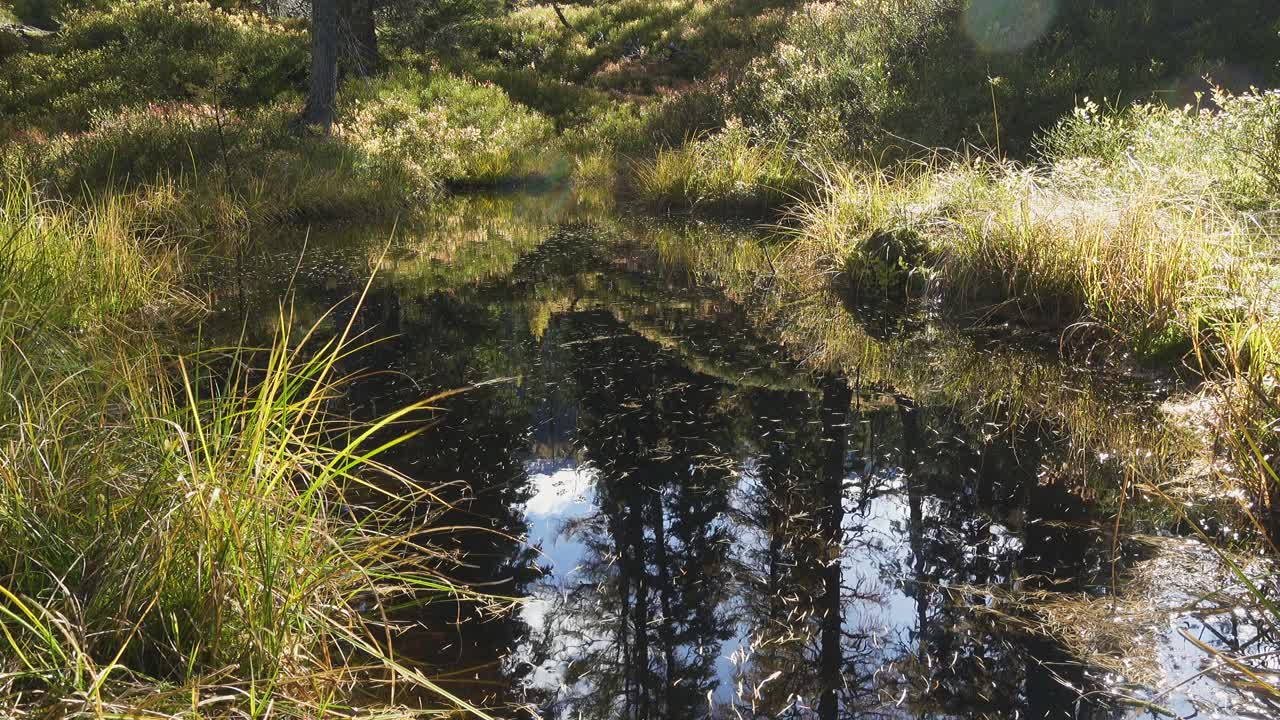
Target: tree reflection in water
x=722 y=533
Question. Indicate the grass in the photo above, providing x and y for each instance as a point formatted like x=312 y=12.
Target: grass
x=726 y=172
x=1163 y=248
x=1000 y=238
x=64 y=266
x=200 y=534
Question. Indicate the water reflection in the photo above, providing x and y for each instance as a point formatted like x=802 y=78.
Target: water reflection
x=701 y=527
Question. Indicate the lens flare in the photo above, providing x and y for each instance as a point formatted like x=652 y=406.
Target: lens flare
x=1008 y=25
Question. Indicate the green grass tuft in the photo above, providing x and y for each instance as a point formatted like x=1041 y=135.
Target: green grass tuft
x=725 y=172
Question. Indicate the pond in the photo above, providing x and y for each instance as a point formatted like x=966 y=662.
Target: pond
x=704 y=516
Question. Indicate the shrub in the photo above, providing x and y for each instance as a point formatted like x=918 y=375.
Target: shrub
x=932 y=73
x=151 y=51
x=445 y=127
x=398 y=138
x=1227 y=154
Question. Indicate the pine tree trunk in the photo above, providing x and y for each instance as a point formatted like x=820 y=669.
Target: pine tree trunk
x=323 y=93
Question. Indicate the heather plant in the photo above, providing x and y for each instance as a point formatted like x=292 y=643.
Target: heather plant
x=441 y=126
x=399 y=139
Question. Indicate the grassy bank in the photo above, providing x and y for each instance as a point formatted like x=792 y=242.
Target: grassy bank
x=188 y=531
x=180 y=534
x=1152 y=225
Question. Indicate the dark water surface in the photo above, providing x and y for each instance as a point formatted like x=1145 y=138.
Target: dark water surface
x=701 y=525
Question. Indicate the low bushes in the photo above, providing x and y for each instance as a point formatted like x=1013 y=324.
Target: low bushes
x=399 y=139
x=1225 y=150
x=938 y=73
x=124 y=55
x=442 y=126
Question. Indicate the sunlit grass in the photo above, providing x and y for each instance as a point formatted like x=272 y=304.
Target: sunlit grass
x=63 y=264
x=1153 y=271
x=725 y=171
x=198 y=533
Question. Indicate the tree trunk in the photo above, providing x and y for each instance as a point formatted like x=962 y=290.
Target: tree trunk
x=323 y=94
x=360 y=38
x=563 y=20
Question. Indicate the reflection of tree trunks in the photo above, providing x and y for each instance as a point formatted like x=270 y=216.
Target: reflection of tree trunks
x=620 y=543
x=836 y=397
x=640 y=614
x=666 y=630
x=776 y=528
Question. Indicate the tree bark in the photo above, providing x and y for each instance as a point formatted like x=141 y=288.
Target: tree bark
x=361 y=38
x=323 y=94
